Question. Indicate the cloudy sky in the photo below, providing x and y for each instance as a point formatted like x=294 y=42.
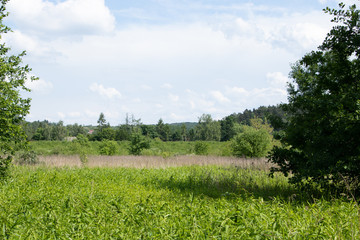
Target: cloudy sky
x=169 y=59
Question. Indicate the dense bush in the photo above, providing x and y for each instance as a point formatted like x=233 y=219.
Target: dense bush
x=107 y=147
x=321 y=135
x=138 y=143
x=201 y=148
x=26 y=158
x=251 y=143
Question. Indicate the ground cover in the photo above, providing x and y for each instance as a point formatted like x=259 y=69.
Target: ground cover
x=188 y=202
x=157 y=148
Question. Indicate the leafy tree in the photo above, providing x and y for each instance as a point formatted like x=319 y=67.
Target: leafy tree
x=58 y=131
x=13 y=108
x=227 y=128
x=321 y=140
x=123 y=132
x=163 y=130
x=138 y=143
x=201 y=148
x=207 y=129
x=251 y=142
x=183 y=132
x=75 y=129
x=107 y=147
x=103 y=130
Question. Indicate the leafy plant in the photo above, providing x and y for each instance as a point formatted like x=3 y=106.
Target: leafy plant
x=107 y=147
x=26 y=158
x=201 y=148
x=138 y=143
x=321 y=138
x=13 y=108
x=251 y=143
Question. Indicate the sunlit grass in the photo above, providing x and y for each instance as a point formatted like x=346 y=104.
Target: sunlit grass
x=189 y=202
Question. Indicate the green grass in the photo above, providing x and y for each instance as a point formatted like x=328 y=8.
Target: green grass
x=157 y=148
x=195 y=202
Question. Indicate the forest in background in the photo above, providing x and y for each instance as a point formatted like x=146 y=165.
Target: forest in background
x=206 y=129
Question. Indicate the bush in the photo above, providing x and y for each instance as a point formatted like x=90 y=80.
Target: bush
x=107 y=147
x=251 y=143
x=138 y=143
x=201 y=148
x=26 y=158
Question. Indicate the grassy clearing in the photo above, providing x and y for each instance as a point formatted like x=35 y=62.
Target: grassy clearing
x=188 y=202
x=153 y=161
x=157 y=148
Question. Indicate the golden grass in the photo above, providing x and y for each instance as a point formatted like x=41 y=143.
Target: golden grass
x=153 y=161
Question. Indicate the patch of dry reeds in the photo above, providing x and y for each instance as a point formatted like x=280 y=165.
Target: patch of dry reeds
x=154 y=161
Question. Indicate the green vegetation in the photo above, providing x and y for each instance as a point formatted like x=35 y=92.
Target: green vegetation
x=13 y=108
x=175 y=203
x=201 y=148
x=251 y=143
x=156 y=148
x=138 y=143
x=321 y=137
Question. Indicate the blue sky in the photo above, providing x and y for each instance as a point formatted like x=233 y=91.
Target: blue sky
x=169 y=59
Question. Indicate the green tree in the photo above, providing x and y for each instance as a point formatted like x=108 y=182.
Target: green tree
x=207 y=129
x=137 y=143
x=321 y=140
x=251 y=142
x=58 y=131
x=163 y=130
x=227 y=128
x=103 y=130
x=13 y=107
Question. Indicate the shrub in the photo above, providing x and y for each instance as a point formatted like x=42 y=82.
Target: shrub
x=107 y=147
x=138 y=143
x=251 y=143
x=201 y=148
x=26 y=158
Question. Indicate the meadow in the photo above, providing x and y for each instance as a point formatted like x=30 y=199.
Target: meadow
x=157 y=148
x=179 y=197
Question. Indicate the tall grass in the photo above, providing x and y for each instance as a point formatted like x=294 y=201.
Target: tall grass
x=157 y=148
x=189 y=202
x=152 y=161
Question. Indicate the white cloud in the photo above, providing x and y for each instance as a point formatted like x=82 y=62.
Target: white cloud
x=106 y=92
x=277 y=79
x=219 y=96
x=69 y=17
x=39 y=85
x=61 y=115
x=74 y=114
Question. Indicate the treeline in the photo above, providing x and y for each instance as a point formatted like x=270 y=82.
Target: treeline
x=206 y=129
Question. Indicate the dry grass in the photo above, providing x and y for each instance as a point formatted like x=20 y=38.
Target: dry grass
x=153 y=161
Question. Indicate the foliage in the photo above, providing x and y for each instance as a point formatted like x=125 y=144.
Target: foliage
x=26 y=157
x=107 y=147
x=321 y=138
x=227 y=126
x=163 y=130
x=201 y=148
x=174 y=203
x=251 y=142
x=207 y=129
x=273 y=114
x=138 y=143
x=13 y=108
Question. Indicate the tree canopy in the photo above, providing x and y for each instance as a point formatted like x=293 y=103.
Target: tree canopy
x=13 y=108
x=321 y=140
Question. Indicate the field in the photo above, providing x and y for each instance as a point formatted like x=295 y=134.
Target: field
x=173 y=198
x=157 y=148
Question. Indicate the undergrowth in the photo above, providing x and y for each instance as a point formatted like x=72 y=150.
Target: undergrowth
x=207 y=202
